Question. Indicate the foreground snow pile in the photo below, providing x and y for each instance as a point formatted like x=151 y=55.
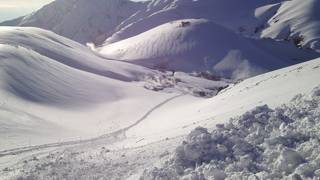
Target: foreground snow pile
x=263 y=143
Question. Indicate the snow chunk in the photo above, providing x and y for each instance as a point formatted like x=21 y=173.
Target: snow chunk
x=263 y=143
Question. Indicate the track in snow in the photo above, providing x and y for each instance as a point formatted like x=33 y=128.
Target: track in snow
x=153 y=109
x=114 y=136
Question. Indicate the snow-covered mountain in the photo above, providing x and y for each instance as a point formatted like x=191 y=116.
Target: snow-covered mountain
x=185 y=35
x=279 y=19
x=81 y=20
x=201 y=45
x=231 y=14
x=114 y=20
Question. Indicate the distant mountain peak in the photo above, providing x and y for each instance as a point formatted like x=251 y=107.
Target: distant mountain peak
x=81 y=20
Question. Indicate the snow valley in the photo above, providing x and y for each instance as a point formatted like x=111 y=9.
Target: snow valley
x=161 y=89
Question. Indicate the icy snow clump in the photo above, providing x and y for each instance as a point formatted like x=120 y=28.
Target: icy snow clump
x=264 y=143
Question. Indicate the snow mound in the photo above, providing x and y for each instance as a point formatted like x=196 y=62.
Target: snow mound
x=263 y=143
x=52 y=88
x=80 y=20
x=196 y=45
x=297 y=21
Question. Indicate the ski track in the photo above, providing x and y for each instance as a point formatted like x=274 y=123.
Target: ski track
x=117 y=135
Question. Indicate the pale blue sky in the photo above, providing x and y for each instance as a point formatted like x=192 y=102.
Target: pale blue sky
x=10 y=9
x=14 y=8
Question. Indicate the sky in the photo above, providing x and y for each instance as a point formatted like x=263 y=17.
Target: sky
x=10 y=9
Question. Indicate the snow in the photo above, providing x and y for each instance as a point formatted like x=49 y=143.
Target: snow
x=180 y=89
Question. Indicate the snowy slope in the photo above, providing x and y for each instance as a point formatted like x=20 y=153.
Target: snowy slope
x=80 y=20
x=180 y=116
x=202 y=45
x=289 y=139
x=52 y=89
x=296 y=19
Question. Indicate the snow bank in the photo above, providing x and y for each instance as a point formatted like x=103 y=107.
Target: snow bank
x=264 y=143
